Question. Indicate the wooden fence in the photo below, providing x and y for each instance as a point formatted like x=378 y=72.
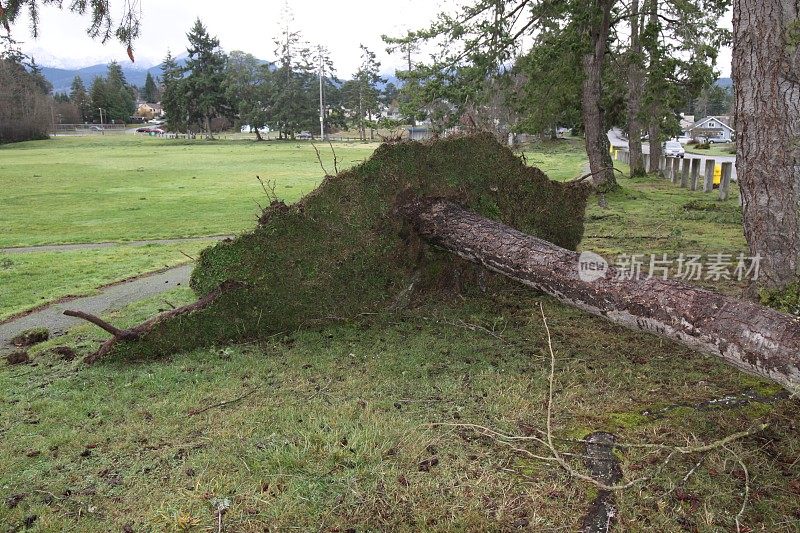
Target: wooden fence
x=685 y=171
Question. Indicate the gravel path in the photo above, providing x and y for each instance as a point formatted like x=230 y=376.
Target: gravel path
x=110 y=298
x=98 y=245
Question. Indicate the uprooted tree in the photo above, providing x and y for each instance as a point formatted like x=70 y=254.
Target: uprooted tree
x=377 y=237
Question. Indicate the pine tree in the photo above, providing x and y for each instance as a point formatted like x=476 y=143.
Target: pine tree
x=150 y=90
x=204 y=83
x=78 y=96
x=172 y=99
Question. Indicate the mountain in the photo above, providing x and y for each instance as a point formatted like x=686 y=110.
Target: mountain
x=725 y=83
x=62 y=78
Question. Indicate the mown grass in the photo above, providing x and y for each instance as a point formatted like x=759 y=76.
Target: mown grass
x=334 y=427
x=124 y=188
x=561 y=160
x=715 y=150
x=32 y=279
x=121 y=188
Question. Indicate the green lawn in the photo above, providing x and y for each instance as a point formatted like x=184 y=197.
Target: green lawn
x=561 y=160
x=32 y=279
x=118 y=188
x=715 y=150
x=350 y=425
x=125 y=188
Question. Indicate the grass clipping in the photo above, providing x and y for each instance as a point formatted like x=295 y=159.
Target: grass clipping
x=342 y=251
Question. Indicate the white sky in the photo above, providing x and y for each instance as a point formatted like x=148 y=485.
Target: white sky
x=248 y=25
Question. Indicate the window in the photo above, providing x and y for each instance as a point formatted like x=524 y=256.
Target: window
x=712 y=124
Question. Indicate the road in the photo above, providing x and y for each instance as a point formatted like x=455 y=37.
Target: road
x=617 y=141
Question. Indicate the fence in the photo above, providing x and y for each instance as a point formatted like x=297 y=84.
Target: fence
x=685 y=171
x=89 y=129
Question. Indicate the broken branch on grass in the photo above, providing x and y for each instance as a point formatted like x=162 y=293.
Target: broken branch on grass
x=746 y=488
x=556 y=456
x=136 y=332
x=194 y=412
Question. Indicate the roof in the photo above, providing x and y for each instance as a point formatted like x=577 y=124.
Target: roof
x=719 y=120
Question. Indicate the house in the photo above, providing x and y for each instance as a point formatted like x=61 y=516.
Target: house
x=150 y=111
x=247 y=128
x=713 y=129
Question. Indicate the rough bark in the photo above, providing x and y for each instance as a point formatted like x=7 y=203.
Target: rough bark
x=635 y=89
x=766 y=70
x=753 y=338
x=654 y=135
x=597 y=143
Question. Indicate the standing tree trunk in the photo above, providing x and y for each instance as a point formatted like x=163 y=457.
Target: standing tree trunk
x=597 y=143
x=654 y=136
x=755 y=339
x=635 y=89
x=766 y=66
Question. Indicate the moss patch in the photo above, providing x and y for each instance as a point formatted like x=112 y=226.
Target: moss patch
x=342 y=251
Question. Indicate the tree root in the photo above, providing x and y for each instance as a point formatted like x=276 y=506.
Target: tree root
x=136 y=332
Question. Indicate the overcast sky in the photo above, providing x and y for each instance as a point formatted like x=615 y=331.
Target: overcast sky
x=248 y=25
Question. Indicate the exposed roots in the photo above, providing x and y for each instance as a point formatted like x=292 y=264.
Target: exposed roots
x=136 y=332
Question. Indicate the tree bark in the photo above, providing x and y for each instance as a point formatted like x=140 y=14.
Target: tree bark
x=766 y=66
x=597 y=143
x=753 y=338
x=635 y=89
x=654 y=136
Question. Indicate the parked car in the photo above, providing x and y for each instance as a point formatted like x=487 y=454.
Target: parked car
x=96 y=128
x=674 y=149
x=145 y=129
x=304 y=135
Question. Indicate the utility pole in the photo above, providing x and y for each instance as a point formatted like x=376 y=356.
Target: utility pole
x=321 y=99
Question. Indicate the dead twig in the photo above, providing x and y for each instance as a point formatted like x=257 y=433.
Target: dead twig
x=187 y=255
x=249 y=393
x=335 y=158
x=319 y=159
x=746 y=488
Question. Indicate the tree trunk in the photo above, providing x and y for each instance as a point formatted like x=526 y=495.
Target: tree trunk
x=635 y=89
x=258 y=135
x=597 y=143
x=654 y=138
x=755 y=339
x=766 y=65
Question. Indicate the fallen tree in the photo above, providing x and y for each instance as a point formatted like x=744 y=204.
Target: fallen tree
x=753 y=338
x=359 y=244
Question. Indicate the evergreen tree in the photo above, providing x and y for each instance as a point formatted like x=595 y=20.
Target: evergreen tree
x=362 y=93
x=172 y=98
x=294 y=86
x=150 y=91
x=120 y=102
x=204 y=83
x=78 y=96
x=246 y=87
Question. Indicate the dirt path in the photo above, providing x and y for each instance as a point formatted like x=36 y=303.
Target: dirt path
x=110 y=298
x=98 y=245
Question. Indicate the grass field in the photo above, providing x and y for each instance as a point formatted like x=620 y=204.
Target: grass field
x=121 y=188
x=716 y=150
x=124 y=188
x=365 y=425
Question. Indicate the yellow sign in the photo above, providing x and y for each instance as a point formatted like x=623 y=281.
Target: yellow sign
x=717 y=174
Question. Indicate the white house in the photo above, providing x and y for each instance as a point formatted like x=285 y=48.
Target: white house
x=714 y=129
x=246 y=128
